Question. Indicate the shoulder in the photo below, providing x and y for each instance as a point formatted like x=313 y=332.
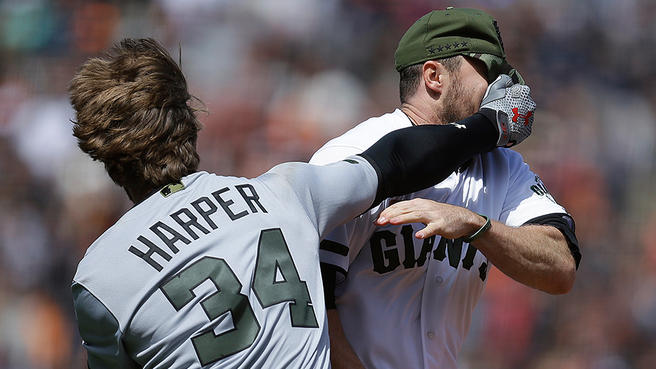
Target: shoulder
x=360 y=137
x=502 y=158
x=502 y=154
x=511 y=156
x=105 y=276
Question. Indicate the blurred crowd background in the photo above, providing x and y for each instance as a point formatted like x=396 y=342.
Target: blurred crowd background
x=277 y=79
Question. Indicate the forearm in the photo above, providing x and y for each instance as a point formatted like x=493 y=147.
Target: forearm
x=411 y=159
x=535 y=255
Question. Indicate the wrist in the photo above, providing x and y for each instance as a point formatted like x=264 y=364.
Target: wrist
x=482 y=129
x=483 y=225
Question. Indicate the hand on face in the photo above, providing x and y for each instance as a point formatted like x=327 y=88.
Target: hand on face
x=513 y=110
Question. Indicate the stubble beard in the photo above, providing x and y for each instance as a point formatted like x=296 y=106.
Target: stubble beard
x=457 y=105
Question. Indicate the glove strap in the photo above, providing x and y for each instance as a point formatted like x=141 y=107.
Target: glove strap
x=504 y=135
x=499 y=120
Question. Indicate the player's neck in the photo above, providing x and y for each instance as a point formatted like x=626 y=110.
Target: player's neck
x=137 y=195
x=417 y=115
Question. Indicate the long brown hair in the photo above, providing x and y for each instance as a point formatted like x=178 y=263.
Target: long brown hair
x=133 y=114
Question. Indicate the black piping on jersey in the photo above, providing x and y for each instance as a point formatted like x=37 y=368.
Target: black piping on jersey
x=329 y=277
x=334 y=247
x=565 y=224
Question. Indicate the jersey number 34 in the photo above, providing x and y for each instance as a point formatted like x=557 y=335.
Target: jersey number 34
x=272 y=255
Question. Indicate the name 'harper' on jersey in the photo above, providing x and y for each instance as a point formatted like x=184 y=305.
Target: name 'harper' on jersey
x=188 y=220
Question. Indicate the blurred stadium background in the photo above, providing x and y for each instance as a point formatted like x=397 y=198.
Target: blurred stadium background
x=279 y=78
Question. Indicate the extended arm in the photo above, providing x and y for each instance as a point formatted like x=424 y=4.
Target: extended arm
x=539 y=256
x=414 y=158
x=403 y=161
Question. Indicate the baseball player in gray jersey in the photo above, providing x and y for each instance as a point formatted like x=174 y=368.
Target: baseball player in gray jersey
x=208 y=271
x=401 y=295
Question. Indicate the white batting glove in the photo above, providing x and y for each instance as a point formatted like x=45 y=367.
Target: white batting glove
x=513 y=108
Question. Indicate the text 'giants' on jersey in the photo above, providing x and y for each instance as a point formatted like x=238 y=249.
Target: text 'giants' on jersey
x=386 y=256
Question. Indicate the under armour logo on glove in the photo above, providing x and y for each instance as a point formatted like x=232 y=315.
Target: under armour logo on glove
x=504 y=98
x=526 y=116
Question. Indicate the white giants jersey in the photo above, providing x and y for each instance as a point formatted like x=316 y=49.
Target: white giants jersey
x=219 y=272
x=405 y=302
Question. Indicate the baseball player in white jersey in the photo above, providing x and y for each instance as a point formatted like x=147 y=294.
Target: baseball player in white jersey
x=207 y=271
x=401 y=295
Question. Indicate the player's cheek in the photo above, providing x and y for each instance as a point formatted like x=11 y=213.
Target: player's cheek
x=480 y=91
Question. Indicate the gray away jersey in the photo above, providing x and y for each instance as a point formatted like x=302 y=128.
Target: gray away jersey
x=223 y=273
x=405 y=302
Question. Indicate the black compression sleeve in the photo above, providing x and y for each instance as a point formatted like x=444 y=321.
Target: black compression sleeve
x=414 y=158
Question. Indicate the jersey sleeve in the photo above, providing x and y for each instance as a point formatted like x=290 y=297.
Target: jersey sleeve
x=527 y=197
x=332 y=194
x=333 y=153
x=338 y=248
x=100 y=332
x=343 y=243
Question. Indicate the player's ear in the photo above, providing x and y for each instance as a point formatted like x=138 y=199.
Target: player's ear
x=434 y=76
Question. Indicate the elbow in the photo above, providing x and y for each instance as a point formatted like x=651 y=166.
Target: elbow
x=562 y=287
x=562 y=280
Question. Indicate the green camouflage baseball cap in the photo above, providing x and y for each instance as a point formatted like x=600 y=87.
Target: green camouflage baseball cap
x=455 y=31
